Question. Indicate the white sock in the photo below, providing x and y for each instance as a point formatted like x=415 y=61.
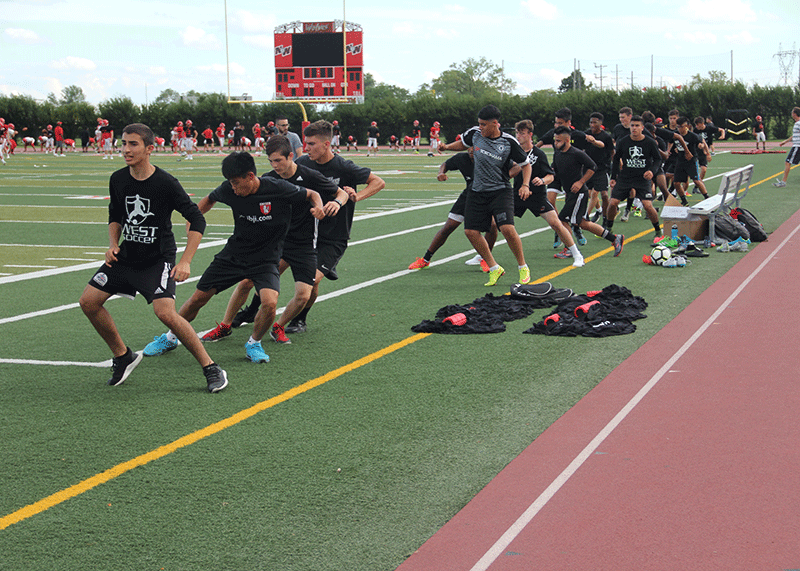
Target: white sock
x=172 y=337
x=494 y=267
x=251 y=340
x=574 y=251
x=523 y=267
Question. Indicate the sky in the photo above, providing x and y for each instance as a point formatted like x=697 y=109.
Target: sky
x=139 y=48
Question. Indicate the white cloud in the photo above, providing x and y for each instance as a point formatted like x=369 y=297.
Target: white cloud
x=23 y=36
x=695 y=37
x=541 y=9
x=72 y=62
x=553 y=75
x=447 y=34
x=236 y=69
x=198 y=38
x=453 y=8
x=53 y=85
x=260 y=42
x=403 y=29
x=742 y=38
x=246 y=21
x=157 y=70
x=718 y=11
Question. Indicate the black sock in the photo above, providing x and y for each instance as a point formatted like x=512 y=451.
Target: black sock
x=256 y=303
x=302 y=315
x=629 y=204
x=428 y=255
x=609 y=235
x=657 y=226
x=608 y=224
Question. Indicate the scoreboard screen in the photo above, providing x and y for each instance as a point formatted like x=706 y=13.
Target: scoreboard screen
x=310 y=61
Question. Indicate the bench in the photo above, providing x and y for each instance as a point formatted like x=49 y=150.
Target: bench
x=732 y=183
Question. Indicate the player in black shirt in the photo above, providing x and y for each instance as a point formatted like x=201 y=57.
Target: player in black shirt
x=335 y=139
x=573 y=168
x=600 y=149
x=685 y=165
x=707 y=133
x=671 y=137
x=334 y=232
x=142 y=199
x=462 y=162
x=636 y=162
x=262 y=211
x=372 y=137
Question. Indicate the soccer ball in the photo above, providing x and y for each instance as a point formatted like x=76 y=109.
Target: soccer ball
x=660 y=254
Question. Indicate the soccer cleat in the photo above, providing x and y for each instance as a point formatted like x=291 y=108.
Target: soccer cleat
x=563 y=254
x=296 y=326
x=484 y=266
x=123 y=366
x=524 y=275
x=578 y=262
x=779 y=184
x=278 y=334
x=658 y=239
x=738 y=246
x=581 y=239
x=419 y=264
x=245 y=315
x=596 y=216
x=557 y=243
x=158 y=346
x=220 y=331
x=255 y=352
x=739 y=239
x=618 y=240
x=494 y=275
x=625 y=215
x=216 y=378
x=474 y=261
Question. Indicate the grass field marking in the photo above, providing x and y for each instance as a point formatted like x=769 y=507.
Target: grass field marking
x=100 y=364
x=100 y=249
x=108 y=475
x=519 y=525
x=394 y=234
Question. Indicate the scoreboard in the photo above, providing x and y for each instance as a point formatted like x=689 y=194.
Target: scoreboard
x=310 y=60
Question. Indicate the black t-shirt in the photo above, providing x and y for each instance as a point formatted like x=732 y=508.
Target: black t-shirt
x=601 y=156
x=337 y=130
x=619 y=131
x=634 y=158
x=540 y=167
x=260 y=220
x=144 y=210
x=576 y=138
x=707 y=134
x=238 y=131
x=692 y=141
x=463 y=163
x=570 y=166
x=303 y=226
x=342 y=172
x=372 y=132
x=416 y=132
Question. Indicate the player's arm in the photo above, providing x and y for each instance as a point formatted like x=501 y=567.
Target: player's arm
x=205 y=205
x=332 y=207
x=721 y=132
x=114 y=234
x=317 y=209
x=182 y=269
x=454 y=146
x=374 y=185
x=441 y=176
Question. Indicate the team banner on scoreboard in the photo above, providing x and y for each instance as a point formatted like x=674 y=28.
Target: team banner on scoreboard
x=318 y=28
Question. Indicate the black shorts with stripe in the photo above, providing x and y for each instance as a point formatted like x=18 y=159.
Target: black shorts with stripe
x=223 y=273
x=537 y=203
x=574 y=209
x=153 y=282
x=482 y=206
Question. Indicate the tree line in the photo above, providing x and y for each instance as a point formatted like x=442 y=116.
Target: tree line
x=453 y=99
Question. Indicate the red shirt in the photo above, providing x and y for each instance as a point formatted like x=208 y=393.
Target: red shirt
x=59 y=133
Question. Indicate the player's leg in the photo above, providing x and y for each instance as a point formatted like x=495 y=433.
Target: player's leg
x=92 y=304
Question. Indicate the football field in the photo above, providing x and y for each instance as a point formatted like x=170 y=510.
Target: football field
x=354 y=444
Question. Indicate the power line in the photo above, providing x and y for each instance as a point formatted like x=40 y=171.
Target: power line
x=786 y=62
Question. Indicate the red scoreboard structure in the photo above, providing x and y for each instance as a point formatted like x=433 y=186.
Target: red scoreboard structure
x=310 y=61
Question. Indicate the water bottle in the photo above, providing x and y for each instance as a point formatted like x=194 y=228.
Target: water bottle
x=674 y=231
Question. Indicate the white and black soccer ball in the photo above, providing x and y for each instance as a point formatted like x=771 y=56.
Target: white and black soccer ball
x=660 y=254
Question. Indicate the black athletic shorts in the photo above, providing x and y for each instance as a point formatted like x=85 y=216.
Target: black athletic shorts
x=223 y=273
x=537 y=202
x=643 y=189
x=702 y=159
x=328 y=256
x=482 y=206
x=793 y=158
x=152 y=282
x=598 y=182
x=686 y=171
x=457 y=211
x=574 y=209
x=302 y=260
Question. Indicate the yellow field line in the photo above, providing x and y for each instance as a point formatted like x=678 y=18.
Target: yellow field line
x=119 y=469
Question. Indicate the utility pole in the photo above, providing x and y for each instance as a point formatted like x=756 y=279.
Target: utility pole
x=601 y=66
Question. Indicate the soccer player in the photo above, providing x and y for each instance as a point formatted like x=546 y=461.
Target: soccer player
x=708 y=132
x=491 y=194
x=541 y=176
x=685 y=165
x=464 y=163
x=262 y=210
x=334 y=232
x=600 y=149
x=298 y=249
x=623 y=128
x=759 y=133
x=372 y=137
x=793 y=158
x=282 y=123
x=142 y=199
x=573 y=168
x=636 y=162
x=671 y=136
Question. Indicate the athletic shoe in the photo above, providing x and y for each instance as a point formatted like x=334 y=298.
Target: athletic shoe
x=779 y=184
x=596 y=216
x=419 y=264
x=474 y=261
x=738 y=247
x=245 y=315
x=296 y=326
x=220 y=331
x=158 y=346
x=216 y=378
x=724 y=247
x=123 y=366
x=494 y=275
x=278 y=334
x=740 y=239
x=524 y=275
x=557 y=243
x=563 y=254
x=579 y=237
x=618 y=244
x=625 y=215
x=637 y=212
x=658 y=239
x=255 y=352
x=484 y=266
x=579 y=262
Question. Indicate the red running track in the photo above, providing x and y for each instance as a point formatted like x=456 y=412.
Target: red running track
x=687 y=456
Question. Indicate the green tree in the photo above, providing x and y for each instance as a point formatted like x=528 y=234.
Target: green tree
x=120 y=111
x=475 y=77
x=168 y=96
x=72 y=94
x=574 y=81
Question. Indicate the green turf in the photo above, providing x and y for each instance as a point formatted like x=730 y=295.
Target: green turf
x=416 y=433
